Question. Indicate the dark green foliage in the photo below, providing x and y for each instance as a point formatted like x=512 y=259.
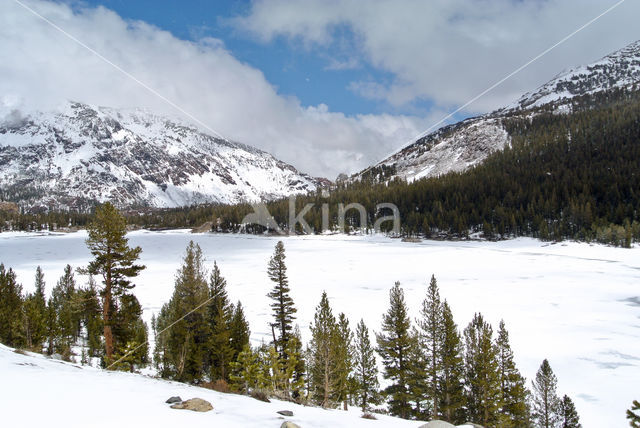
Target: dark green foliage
x=182 y=349
x=66 y=304
x=114 y=261
x=130 y=334
x=633 y=414
x=514 y=394
x=451 y=382
x=546 y=404
x=11 y=320
x=220 y=313
x=239 y=334
x=282 y=306
x=35 y=311
x=568 y=414
x=343 y=350
x=431 y=341
x=322 y=359
x=91 y=316
x=394 y=346
x=482 y=379
x=365 y=370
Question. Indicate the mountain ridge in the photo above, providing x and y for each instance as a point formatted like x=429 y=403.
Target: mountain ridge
x=85 y=154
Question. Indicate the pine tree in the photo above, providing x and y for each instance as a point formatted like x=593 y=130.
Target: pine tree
x=546 y=403
x=633 y=414
x=568 y=414
x=114 y=261
x=417 y=379
x=65 y=303
x=515 y=411
x=451 y=385
x=11 y=320
x=184 y=346
x=394 y=346
x=35 y=307
x=481 y=366
x=343 y=351
x=91 y=318
x=220 y=313
x=322 y=353
x=431 y=337
x=296 y=364
x=282 y=306
x=245 y=371
x=130 y=334
x=365 y=369
x=239 y=331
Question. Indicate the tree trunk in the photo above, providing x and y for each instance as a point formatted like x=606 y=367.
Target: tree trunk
x=106 y=317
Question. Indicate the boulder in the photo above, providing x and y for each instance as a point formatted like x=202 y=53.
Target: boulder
x=437 y=424
x=289 y=424
x=195 y=404
x=285 y=412
x=172 y=400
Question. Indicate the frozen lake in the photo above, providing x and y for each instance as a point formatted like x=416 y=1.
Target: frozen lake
x=576 y=304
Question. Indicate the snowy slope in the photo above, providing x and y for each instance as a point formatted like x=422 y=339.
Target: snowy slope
x=132 y=157
x=40 y=392
x=464 y=144
x=576 y=304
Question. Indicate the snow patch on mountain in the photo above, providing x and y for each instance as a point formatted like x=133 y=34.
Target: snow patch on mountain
x=84 y=154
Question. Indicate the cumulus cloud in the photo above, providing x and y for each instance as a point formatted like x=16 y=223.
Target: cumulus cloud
x=448 y=51
x=41 y=68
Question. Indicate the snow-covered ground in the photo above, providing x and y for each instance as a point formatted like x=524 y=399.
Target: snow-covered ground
x=576 y=304
x=39 y=392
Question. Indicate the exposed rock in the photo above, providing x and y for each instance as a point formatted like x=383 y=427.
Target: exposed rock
x=285 y=412
x=289 y=424
x=437 y=424
x=195 y=404
x=172 y=400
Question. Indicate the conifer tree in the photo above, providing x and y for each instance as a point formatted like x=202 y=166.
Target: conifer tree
x=515 y=411
x=239 y=331
x=633 y=414
x=246 y=371
x=394 y=346
x=35 y=307
x=344 y=359
x=282 y=306
x=296 y=364
x=365 y=369
x=417 y=379
x=11 y=320
x=130 y=334
x=568 y=414
x=184 y=346
x=481 y=366
x=65 y=303
x=431 y=332
x=114 y=261
x=546 y=403
x=322 y=353
x=220 y=313
x=451 y=385
x=91 y=318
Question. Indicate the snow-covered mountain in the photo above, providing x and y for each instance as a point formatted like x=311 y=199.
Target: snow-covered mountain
x=461 y=145
x=83 y=154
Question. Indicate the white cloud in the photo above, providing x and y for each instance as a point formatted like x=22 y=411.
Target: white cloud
x=448 y=51
x=41 y=67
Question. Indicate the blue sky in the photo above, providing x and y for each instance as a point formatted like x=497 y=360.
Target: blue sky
x=288 y=65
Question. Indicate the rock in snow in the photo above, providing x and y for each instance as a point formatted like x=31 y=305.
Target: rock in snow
x=172 y=400
x=195 y=404
x=285 y=412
